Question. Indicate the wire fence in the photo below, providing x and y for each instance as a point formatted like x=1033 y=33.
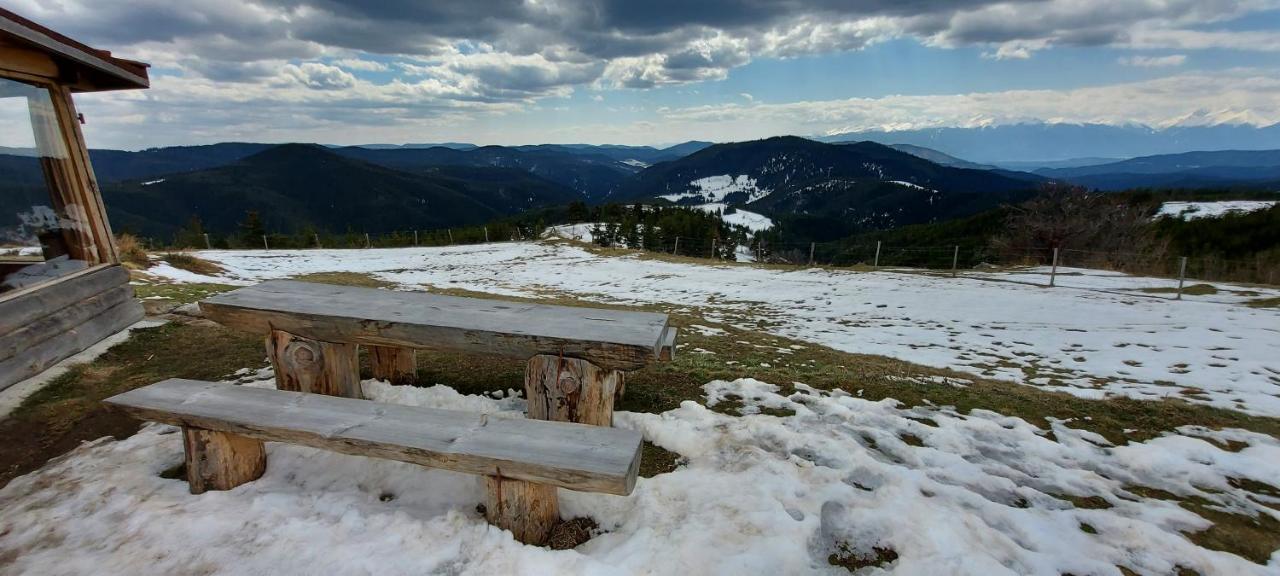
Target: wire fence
x=1031 y=265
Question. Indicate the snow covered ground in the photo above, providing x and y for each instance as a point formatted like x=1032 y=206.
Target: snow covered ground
x=1194 y=210
x=1088 y=342
x=780 y=487
x=978 y=493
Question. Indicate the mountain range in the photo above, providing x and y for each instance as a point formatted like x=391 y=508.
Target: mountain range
x=376 y=188
x=296 y=186
x=1039 y=142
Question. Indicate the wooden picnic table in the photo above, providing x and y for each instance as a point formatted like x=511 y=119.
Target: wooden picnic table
x=577 y=356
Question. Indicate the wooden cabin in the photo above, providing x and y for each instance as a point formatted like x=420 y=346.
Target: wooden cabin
x=62 y=287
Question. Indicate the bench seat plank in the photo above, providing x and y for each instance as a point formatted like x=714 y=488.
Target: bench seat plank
x=574 y=456
x=612 y=339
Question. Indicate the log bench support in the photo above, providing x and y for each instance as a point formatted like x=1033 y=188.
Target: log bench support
x=394 y=364
x=529 y=510
x=221 y=460
x=571 y=390
x=306 y=365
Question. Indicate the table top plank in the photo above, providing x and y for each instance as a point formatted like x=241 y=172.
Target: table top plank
x=573 y=456
x=610 y=338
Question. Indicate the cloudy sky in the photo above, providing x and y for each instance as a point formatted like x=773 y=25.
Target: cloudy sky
x=663 y=71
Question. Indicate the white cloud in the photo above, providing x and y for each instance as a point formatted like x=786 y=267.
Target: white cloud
x=1236 y=96
x=361 y=64
x=1170 y=61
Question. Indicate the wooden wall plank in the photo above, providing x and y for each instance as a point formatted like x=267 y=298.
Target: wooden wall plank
x=25 y=306
x=62 y=320
x=37 y=358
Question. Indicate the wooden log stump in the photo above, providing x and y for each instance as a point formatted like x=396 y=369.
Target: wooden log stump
x=527 y=509
x=221 y=460
x=570 y=390
x=394 y=364
x=305 y=365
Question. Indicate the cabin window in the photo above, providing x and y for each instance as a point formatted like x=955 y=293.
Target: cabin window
x=44 y=232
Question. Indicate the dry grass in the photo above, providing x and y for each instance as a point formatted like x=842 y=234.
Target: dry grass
x=1264 y=303
x=1192 y=290
x=131 y=252
x=345 y=279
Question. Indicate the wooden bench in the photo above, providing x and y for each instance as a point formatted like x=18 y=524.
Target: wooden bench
x=576 y=356
x=523 y=461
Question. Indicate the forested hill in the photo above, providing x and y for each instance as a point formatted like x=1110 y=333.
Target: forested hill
x=862 y=184
x=298 y=186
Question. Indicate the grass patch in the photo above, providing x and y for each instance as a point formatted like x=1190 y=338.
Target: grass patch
x=345 y=279
x=181 y=293
x=193 y=264
x=1251 y=537
x=1264 y=303
x=846 y=558
x=69 y=410
x=1192 y=290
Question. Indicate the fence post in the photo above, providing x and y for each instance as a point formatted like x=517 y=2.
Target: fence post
x=1182 y=276
x=955 y=261
x=450 y=230
x=317 y=235
x=811 y=246
x=415 y=237
x=713 y=249
x=486 y=234
x=1053 y=272
x=367 y=243
x=207 y=245
x=676 y=251
x=877 y=261
x=264 y=243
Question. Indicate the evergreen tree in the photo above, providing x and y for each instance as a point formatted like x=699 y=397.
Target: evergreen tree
x=251 y=229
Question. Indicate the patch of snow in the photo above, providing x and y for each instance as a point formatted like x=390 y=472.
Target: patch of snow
x=909 y=184
x=750 y=220
x=636 y=163
x=150 y=182
x=21 y=251
x=1196 y=210
x=716 y=188
x=580 y=232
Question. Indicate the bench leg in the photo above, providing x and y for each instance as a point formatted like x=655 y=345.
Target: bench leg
x=527 y=509
x=393 y=364
x=221 y=460
x=305 y=365
x=570 y=390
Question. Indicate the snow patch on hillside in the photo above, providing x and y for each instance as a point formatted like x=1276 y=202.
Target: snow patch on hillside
x=580 y=232
x=750 y=220
x=912 y=185
x=635 y=163
x=716 y=188
x=1197 y=210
